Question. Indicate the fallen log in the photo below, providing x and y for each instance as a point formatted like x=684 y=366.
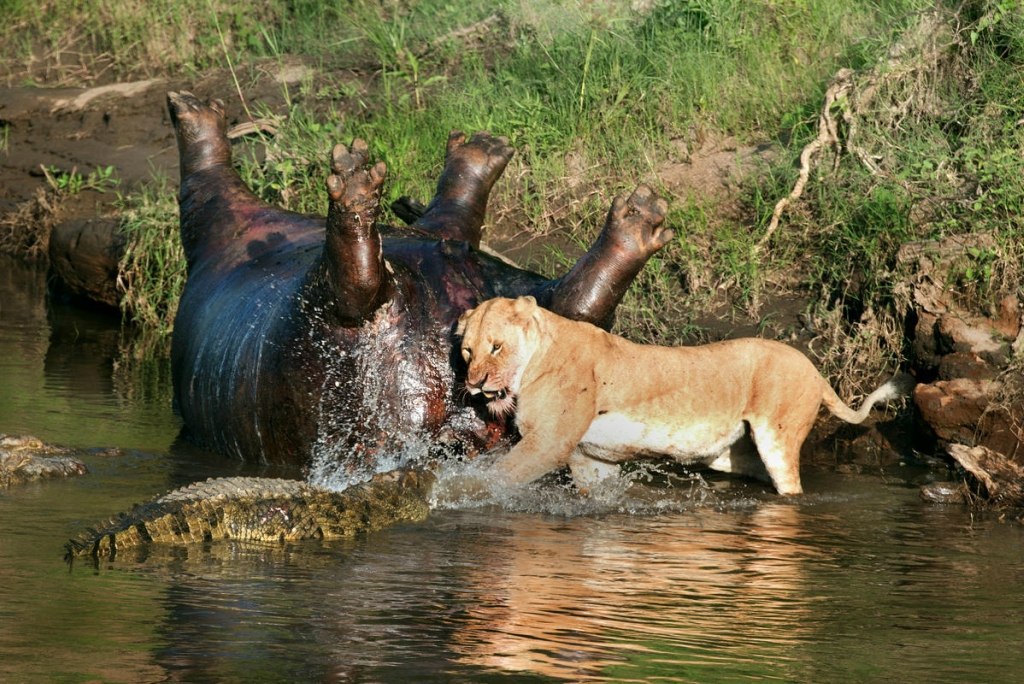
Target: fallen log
x=1001 y=478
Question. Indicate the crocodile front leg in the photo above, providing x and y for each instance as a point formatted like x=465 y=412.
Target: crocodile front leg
x=632 y=233
x=353 y=263
x=470 y=171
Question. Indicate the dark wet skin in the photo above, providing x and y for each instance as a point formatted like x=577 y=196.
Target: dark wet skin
x=297 y=333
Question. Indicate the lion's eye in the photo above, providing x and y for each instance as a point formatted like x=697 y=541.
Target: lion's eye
x=495 y=348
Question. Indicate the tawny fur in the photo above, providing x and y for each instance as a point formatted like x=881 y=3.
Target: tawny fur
x=589 y=399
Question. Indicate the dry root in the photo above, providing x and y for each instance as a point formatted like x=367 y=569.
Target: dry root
x=25 y=232
x=861 y=112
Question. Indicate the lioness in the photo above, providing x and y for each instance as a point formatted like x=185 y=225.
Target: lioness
x=588 y=399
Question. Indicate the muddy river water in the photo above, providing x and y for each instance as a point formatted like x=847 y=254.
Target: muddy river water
x=857 y=581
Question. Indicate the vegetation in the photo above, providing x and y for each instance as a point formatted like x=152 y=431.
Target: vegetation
x=72 y=182
x=927 y=147
x=598 y=97
x=153 y=265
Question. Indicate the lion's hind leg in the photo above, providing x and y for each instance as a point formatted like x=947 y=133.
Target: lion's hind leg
x=780 y=454
x=741 y=458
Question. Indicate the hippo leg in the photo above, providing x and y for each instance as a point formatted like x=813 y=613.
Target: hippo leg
x=353 y=264
x=202 y=132
x=470 y=171
x=632 y=233
x=223 y=224
x=211 y=196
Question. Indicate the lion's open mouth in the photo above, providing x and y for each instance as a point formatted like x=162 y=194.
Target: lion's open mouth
x=500 y=402
x=495 y=394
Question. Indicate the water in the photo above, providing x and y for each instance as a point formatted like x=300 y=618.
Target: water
x=857 y=581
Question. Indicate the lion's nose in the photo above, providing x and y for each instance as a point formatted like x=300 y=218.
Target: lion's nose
x=475 y=387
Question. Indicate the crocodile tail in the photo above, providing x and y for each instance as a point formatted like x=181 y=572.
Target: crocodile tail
x=898 y=386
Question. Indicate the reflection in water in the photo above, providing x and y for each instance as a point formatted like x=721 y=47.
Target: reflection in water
x=577 y=599
x=82 y=350
x=858 y=581
x=57 y=372
x=762 y=592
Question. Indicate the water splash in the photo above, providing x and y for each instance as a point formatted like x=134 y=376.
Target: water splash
x=643 y=488
x=373 y=405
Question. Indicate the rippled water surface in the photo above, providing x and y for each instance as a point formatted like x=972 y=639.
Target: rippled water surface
x=858 y=581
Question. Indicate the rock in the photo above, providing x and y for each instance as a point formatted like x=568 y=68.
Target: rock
x=966 y=364
x=84 y=255
x=971 y=402
x=924 y=352
x=1009 y=317
x=975 y=335
x=963 y=410
x=945 y=492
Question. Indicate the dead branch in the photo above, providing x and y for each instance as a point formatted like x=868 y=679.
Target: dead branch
x=828 y=135
x=267 y=126
x=1002 y=478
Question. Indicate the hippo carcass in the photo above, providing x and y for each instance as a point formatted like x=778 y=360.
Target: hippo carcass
x=328 y=343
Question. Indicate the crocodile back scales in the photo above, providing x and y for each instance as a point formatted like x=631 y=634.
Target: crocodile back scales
x=261 y=510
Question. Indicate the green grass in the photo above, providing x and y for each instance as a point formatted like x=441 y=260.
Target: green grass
x=943 y=131
x=152 y=269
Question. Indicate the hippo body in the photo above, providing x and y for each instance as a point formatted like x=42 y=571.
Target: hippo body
x=306 y=340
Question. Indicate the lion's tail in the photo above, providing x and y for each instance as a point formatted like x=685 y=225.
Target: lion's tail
x=899 y=386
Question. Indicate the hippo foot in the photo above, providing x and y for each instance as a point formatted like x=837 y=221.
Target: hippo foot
x=354 y=186
x=470 y=171
x=632 y=233
x=202 y=131
x=483 y=158
x=353 y=256
x=634 y=228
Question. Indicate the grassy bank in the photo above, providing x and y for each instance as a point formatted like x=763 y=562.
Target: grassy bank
x=599 y=97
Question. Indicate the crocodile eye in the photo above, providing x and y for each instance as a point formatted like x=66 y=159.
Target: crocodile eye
x=495 y=348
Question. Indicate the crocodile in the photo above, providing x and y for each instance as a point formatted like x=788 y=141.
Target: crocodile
x=28 y=459
x=256 y=509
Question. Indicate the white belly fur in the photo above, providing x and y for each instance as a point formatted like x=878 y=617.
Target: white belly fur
x=618 y=437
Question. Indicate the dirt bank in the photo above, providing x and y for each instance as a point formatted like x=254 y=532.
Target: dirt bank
x=53 y=135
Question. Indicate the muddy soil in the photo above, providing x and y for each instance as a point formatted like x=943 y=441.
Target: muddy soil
x=123 y=126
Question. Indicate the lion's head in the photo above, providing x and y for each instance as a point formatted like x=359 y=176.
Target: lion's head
x=498 y=339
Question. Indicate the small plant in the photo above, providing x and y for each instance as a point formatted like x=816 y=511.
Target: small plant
x=974 y=273
x=152 y=271
x=71 y=182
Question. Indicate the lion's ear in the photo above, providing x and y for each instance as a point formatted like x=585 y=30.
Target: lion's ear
x=529 y=311
x=525 y=304
x=460 y=327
